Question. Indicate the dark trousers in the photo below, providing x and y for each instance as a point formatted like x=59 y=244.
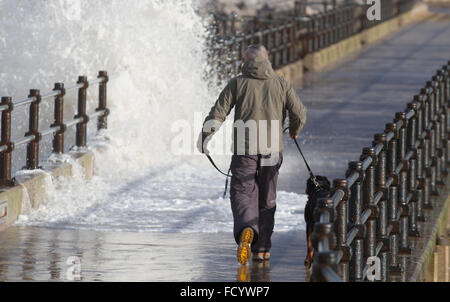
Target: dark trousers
x=253 y=197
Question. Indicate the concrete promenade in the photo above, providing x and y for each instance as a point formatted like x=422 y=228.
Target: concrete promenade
x=346 y=106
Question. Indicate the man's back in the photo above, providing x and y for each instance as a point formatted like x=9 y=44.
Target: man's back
x=260 y=98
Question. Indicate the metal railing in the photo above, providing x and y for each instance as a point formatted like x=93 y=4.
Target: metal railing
x=34 y=135
x=376 y=208
x=279 y=39
x=291 y=36
x=327 y=28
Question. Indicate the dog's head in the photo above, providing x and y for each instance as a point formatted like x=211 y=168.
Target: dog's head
x=324 y=185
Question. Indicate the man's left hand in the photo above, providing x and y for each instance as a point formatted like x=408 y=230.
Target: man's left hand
x=202 y=143
x=293 y=135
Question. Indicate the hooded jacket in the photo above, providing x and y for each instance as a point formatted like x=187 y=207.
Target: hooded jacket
x=261 y=99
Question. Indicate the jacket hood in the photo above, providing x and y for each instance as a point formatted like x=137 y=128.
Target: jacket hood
x=258 y=68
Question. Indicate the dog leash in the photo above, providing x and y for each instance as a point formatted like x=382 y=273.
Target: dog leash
x=228 y=175
x=217 y=168
x=221 y=172
x=311 y=174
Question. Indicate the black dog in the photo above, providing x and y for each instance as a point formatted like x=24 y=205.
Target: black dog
x=314 y=193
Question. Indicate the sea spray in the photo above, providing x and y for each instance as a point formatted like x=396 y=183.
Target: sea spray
x=154 y=52
x=26 y=205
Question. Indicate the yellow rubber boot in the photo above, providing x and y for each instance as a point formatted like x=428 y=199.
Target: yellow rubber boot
x=244 y=250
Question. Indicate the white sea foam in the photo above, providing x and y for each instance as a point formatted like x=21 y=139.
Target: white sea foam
x=154 y=53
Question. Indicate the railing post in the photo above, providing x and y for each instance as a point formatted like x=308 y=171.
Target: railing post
x=5 y=159
x=300 y=8
x=391 y=154
x=368 y=201
x=33 y=146
x=444 y=119
x=431 y=85
x=293 y=39
x=441 y=121
x=355 y=210
x=403 y=184
x=426 y=150
x=323 y=260
x=419 y=158
x=81 y=132
x=323 y=234
x=446 y=108
x=285 y=52
x=412 y=176
x=341 y=228
x=380 y=184
x=102 y=122
x=439 y=127
x=393 y=213
x=58 y=139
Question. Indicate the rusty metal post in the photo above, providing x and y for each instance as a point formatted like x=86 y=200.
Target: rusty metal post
x=58 y=139
x=446 y=104
x=418 y=99
x=323 y=240
x=438 y=86
x=443 y=141
x=300 y=8
x=284 y=52
x=401 y=151
x=355 y=213
x=403 y=183
x=426 y=150
x=412 y=176
x=33 y=146
x=322 y=261
x=293 y=41
x=81 y=133
x=5 y=156
x=368 y=202
x=276 y=45
x=441 y=149
x=392 y=204
x=393 y=213
x=391 y=153
x=431 y=85
x=233 y=24
x=434 y=164
x=383 y=221
x=102 y=122
x=342 y=211
x=341 y=228
x=257 y=39
x=380 y=169
x=418 y=107
x=404 y=214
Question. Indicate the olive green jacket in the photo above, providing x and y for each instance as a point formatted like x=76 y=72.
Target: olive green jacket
x=262 y=98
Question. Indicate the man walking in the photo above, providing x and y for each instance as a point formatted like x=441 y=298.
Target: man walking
x=261 y=100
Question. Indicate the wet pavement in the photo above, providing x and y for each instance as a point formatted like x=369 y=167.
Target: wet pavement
x=40 y=254
x=346 y=107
